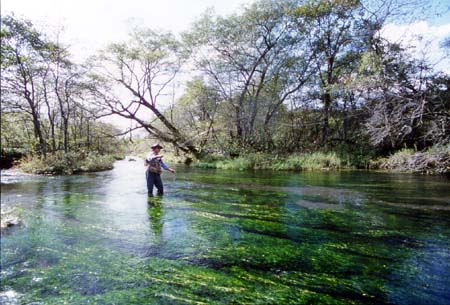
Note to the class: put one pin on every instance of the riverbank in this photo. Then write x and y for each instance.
(256, 161)
(67, 164)
(435, 160)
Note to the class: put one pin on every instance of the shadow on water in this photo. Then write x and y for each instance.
(222, 237)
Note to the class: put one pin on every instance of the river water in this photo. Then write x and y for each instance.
(226, 237)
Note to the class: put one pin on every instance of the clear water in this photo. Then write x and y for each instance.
(227, 237)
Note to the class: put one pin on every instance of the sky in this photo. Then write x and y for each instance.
(90, 25)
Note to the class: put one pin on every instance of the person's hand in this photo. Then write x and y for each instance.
(172, 170)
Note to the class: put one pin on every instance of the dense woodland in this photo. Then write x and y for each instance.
(277, 77)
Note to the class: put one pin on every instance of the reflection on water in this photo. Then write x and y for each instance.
(221, 237)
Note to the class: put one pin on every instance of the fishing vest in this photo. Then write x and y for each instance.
(154, 166)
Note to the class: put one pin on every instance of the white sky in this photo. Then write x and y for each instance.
(91, 24)
(423, 41)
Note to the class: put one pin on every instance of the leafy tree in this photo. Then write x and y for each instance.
(195, 113)
(44, 90)
(23, 52)
(254, 61)
(143, 68)
(334, 31)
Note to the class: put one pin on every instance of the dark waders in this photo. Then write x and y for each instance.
(154, 179)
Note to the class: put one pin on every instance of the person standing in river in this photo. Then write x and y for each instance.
(155, 165)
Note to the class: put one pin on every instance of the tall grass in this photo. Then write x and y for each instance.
(66, 164)
(298, 162)
(314, 161)
(435, 160)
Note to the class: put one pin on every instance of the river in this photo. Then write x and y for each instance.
(226, 237)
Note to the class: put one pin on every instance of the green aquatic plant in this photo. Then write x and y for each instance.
(227, 237)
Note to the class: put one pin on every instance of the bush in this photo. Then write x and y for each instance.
(95, 163)
(66, 164)
(9, 156)
(314, 161)
(435, 160)
(400, 159)
(118, 157)
(250, 161)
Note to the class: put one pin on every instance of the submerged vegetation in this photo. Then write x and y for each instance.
(229, 238)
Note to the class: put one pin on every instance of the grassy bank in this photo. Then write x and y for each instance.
(435, 160)
(297, 162)
(67, 164)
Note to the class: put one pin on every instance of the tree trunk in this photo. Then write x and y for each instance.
(41, 149)
(326, 113)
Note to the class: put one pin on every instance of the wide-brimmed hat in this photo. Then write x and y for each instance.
(157, 145)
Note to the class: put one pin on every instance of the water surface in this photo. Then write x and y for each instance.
(227, 237)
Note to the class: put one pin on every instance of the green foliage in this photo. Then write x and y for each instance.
(17, 132)
(305, 76)
(66, 164)
(313, 161)
(44, 100)
(350, 81)
(321, 8)
(297, 162)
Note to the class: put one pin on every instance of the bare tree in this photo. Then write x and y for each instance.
(131, 80)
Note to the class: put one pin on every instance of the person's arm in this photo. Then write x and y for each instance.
(166, 167)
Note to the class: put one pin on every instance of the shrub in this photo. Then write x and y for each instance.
(95, 163)
(9, 156)
(66, 164)
(118, 157)
(314, 161)
(435, 160)
(400, 159)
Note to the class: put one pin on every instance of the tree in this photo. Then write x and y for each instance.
(143, 68)
(333, 30)
(255, 62)
(407, 101)
(23, 51)
(195, 113)
(40, 83)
